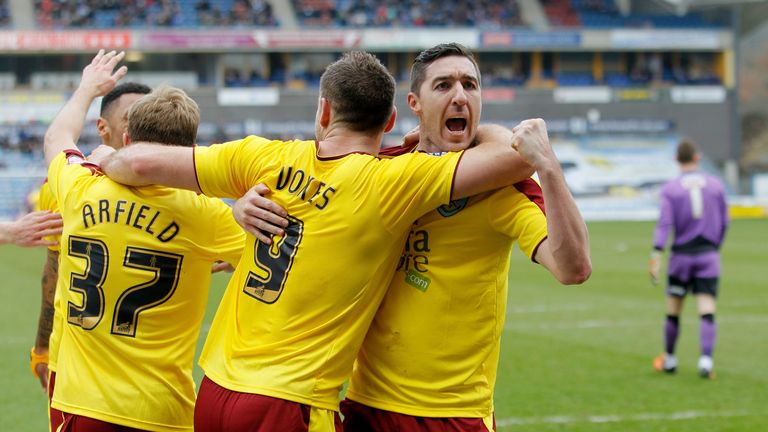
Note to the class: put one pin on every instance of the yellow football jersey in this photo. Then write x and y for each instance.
(433, 347)
(295, 313)
(136, 263)
(44, 200)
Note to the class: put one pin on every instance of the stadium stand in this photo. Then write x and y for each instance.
(408, 13)
(5, 14)
(483, 14)
(606, 14)
(560, 14)
(162, 13)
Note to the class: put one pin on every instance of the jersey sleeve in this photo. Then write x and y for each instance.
(723, 203)
(228, 170)
(518, 212)
(66, 169)
(415, 183)
(46, 201)
(664, 224)
(229, 238)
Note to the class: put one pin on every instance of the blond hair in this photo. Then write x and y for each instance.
(167, 116)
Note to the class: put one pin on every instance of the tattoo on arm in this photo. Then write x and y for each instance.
(48, 283)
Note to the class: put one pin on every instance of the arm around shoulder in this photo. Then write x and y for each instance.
(492, 164)
(144, 164)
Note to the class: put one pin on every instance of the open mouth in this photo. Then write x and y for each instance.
(456, 124)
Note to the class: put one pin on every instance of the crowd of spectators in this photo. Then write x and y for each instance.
(5, 14)
(25, 139)
(243, 13)
(485, 14)
(482, 14)
(105, 13)
(152, 13)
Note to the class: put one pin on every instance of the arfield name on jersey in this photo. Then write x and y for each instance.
(307, 188)
(135, 215)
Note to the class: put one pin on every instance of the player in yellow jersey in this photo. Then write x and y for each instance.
(43, 353)
(429, 360)
(110, 125)
(136, 267)
(295, 312)
(31, 229)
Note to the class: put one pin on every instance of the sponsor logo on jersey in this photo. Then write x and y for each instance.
(417, 280)
(455, 206)
(414, 261)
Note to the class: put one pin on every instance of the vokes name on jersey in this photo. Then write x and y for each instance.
(308, 188)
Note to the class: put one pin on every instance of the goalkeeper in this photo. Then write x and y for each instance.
(693, 207)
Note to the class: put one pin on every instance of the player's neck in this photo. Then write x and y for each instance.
(689, 167)
(427, 145)
(341, 141)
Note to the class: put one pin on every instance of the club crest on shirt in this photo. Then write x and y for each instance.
(455, 206)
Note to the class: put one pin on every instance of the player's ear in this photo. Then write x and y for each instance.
(103, 129)
(325, 112)
(126, 139)
(391, 122)
(414, 103)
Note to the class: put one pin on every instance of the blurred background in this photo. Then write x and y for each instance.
(619, 82)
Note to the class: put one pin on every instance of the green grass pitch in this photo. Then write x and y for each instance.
(574, 358)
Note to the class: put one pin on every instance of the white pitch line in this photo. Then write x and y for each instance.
(16, 340)
(565, 325)
(681, 415)
(592, 324)
(548, 308)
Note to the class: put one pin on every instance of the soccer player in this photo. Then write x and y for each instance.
(429, 360)
(135, 264)
(111, 125)
(694, 209)
(295, 312)
(31, 229)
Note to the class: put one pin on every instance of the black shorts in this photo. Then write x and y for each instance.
(678, 288)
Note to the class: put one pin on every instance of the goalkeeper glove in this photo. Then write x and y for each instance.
(654, 266)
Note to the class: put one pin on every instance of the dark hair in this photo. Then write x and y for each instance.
(167, 116)
(360, 90)
(119, 90)
(686, 151)
(426, 57)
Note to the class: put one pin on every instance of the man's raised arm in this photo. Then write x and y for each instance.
(98, 79)
(565, 252)
(495, 163)
(145, 163)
